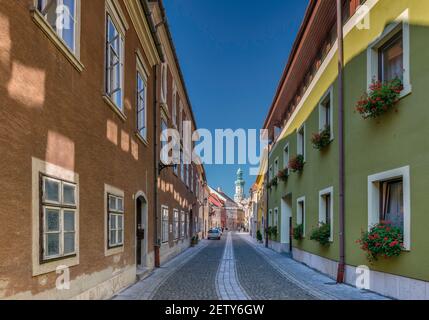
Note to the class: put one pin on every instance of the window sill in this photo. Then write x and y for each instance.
(114, 250)
(114, 108)
(142, 140)
(406, 92)
(48, 266)
(164, 108)
(40, 21)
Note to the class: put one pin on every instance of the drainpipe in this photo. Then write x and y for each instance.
(156, 166)
(341, 264)
(267, 193)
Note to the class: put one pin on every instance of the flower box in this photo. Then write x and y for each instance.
(283, 174)
(296, 164)
(382, 240)
(322, 234)
(298, 232)
(322, 139)
(382, 97)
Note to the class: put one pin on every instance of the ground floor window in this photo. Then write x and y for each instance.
(176, 224)
(182, 224)
(115, 221)
(326, 213)
(276, 217)
(300, 214)
(389, 200)
(392, 202)
(164, 225)
(59, 207)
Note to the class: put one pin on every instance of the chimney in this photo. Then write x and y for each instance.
(219, 189)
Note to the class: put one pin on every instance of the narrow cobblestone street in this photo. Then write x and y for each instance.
(237, 268)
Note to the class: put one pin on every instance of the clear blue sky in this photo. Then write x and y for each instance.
(232, 54)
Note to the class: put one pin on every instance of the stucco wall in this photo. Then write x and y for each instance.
(52, 112)
(395, 140)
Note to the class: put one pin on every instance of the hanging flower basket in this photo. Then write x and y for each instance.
(382, 240)
(382, 97)
(298, 232)
(296, 164)
(283, 175)
(322, 139)
(322, 234)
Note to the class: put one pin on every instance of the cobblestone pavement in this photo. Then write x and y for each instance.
(227, 284)
(196, 279)
(238, 268)
(260, 280)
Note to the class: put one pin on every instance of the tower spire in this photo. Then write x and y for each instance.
(239, 186)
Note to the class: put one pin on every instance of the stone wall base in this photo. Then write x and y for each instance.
(389, 285)
(167, 253)
(278, 247)
(99, 285)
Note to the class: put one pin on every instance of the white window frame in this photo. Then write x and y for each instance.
(191, 178)
(164, 83)
(322, 111)
(116, 213)
(60, 206)
(176, 224)
(164, 157)
(165, 232)
(181, 119)
(301, 141)
(322, 209)
(182, 224)
(400, 23)
(276, 218)
(174, 106)
(76, 25)
(276, 167)
(113, 16)
(374, 199)
(286, 157)
(40, 167)
(141, 72)
(300, 218)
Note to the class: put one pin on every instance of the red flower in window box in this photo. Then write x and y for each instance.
(382, 240)
(322, 139)
(283, 175)
(382, 96)
(296, 164)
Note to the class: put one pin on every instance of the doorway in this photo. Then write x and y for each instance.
(141, 232)
(286, 223)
